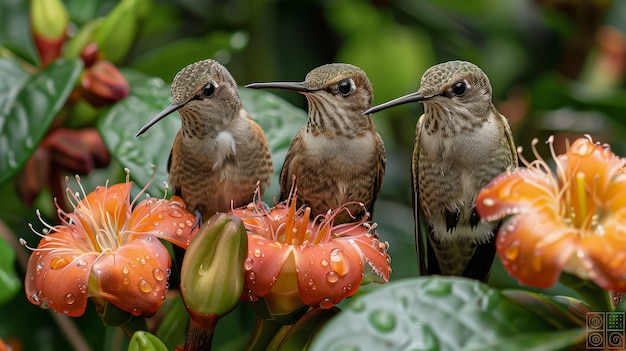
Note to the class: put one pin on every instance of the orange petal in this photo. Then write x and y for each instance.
(165, 219)
(134, 276)
(377, 263)
(328, 272)
(534, 247)
(598, 163)
(604, 256)
(266, 261)
(614, 198)
(519, 191)
(57, 275)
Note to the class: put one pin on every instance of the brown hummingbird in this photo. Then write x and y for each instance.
(461, 143)
(337, 157)
(220, 153)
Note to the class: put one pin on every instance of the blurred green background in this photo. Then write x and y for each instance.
(556, 67)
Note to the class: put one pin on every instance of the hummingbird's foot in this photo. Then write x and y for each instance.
(452, 219)
(198, 222)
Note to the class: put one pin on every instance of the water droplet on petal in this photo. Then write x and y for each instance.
(382, 320)
(126, 280)
(158, 274)
(58, 262)
(339, 262)
(39, 266)
(512, 251)
(332, 276)
(69, 298)
(324, 262)
(257, 253)
(176, 214)
(326, 303)
(145, 286)
(168, 272)
(252, 276)
(248, 263)
(179, 232)
(44, 304)
(160, 217)
(125, 270)
(189, 223)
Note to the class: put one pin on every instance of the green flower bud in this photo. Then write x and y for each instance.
(144, 341)
(116, 32)
(49, 20)
(81, 39)
(212, 274)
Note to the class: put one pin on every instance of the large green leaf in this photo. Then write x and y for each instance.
(12, 76)
(148, 96)
(440, 313)
(25, 120)
(9, 282)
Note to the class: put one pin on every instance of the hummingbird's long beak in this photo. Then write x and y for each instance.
(413, 97)
(166, 111)
(294, 86)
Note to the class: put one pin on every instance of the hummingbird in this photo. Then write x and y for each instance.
(219, 154)
(337, 158)
(461, 143)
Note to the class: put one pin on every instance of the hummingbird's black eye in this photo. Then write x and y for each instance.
(344, 87)
(209, 89)
(459, 89)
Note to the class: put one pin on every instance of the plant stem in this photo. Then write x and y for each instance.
(200, 332)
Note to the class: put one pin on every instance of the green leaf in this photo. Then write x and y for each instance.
(182, 52)
(25, 121)
(15, 32)
(12, 76)
(148, 96)
(144, 341)
(560, 312)
(440, 313)
(173, 328)
(10, 283)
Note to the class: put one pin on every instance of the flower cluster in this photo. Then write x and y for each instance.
(108, 250)
(293, 260)
(573, 219)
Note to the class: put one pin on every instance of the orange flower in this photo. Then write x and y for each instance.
(107, 250)
(574, 220)
(294, 261)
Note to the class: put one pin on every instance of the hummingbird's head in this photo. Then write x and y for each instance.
(206, 96)
(336, 91)
(455, 86)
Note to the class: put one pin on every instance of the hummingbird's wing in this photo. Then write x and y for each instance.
(509, 135)
(421, 230)
(286, 180)
(176, 190)
(380, 173)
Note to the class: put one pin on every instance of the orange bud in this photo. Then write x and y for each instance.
(103, 84)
